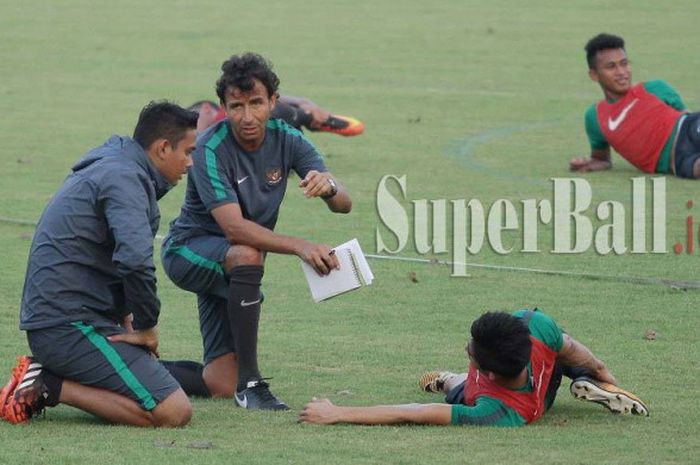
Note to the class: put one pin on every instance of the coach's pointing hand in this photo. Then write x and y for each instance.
(316, 184)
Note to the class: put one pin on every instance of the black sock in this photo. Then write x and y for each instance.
(54, 385)
(244, 315)
(189, 375)
(292, 115)
(573, 372)
(303, 118)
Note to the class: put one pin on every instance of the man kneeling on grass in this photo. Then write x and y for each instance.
(515, 367)
(89, 305)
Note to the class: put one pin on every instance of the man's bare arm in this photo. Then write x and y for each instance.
(575, 354)
(598, 161)
(324, 412)
(241, 231)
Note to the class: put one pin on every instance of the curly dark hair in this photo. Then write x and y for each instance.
(599, 43)
(501, 343)
(163, 120)
(240, 70)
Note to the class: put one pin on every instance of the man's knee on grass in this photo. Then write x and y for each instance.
(221, 376)
(173, 412)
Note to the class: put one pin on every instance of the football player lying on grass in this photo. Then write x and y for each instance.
(298, 112)
(646, 123)
(516, 363)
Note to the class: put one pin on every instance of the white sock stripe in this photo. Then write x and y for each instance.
(34, 366)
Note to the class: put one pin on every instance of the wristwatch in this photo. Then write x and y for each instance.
(334, 189)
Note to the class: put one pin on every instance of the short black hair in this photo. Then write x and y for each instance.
(501, 343)
(163, 120)
(239, 72)
(599, 43)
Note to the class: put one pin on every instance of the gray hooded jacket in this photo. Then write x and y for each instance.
(92, 252)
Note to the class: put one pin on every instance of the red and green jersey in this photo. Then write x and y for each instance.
(640, 126)
(490, 405)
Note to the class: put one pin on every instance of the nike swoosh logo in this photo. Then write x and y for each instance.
(242, 402)
(614, 123)
(238, 181)
(248, 304)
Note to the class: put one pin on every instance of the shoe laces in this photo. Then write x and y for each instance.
(262, 388)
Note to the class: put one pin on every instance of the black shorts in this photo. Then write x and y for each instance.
(79, 351)
(687, 151)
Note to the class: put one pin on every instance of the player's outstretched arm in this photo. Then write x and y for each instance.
(573, 353)
(598, 161)
(320, 184)
(324, 412)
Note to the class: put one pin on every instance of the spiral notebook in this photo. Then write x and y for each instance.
(354, 273)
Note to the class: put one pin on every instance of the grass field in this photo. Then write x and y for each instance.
(468, 99)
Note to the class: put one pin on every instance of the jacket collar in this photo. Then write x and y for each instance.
(135, 152)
